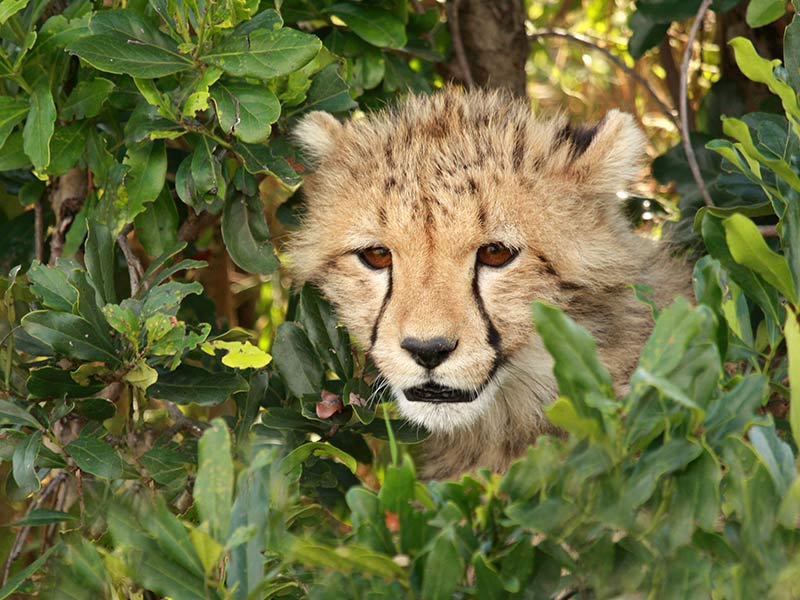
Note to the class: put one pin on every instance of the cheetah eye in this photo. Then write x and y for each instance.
(496, 254)
(376, 258)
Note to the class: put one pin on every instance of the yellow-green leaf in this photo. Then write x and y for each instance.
(239, 355)
(792, 333)
(207, 548)
(141, 375)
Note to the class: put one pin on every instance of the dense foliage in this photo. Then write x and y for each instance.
(149, 443)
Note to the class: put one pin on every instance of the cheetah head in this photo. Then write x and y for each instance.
(433, 227)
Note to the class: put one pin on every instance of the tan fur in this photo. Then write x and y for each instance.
(433, 181)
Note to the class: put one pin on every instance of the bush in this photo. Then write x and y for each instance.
(159, 447)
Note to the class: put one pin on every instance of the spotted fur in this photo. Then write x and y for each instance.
(434, 180)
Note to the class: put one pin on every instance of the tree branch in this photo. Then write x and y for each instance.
(38, 220)
(135, 270)
(684, 93)
(590, 43)
(452, 8)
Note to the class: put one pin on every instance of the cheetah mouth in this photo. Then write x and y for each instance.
(433, 392)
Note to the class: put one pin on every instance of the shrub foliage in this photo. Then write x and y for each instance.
(156, 447)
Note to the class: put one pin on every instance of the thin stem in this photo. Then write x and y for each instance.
(590, 43)
(38, 210)
(684, 108)
(135, 270)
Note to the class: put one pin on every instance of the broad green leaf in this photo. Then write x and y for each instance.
(14, 414)
(24, 460)
(488, 583)
(359, 396)
(297, 361)
(125, 43)
(206, 171)
(87, 99)
(329, 92)
(124, 320)
(264, 159)
(764, 12)
(246, 111)
(141, 376)
(791, 52)
(213, 488)
(39, 126)
(761, 70)
(369, 526)
(8, 8)
(443, 569)
(748, 248)
(377, 26)
(96, 457)
(12, 111)
(167, 297)
(164, 465)
(300, 454)
(330, 340)
(576, 367)
(246, 235)
(145, 180)
(240, 355)
(67, 147)
(12, 155)
(207, 548)
(69, 335)
(96, 409)
(99, 258)
(42, 516)
(187, 385)
(653, 465)
(264, 53)
(792, 333)
(52, 382)
(562, 414)
(51, 285)
(775, 454)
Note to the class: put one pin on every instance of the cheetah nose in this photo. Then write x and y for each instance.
(429, 353)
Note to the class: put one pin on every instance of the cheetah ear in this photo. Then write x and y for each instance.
(317, 133)
(614, 156)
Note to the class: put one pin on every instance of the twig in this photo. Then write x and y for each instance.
(452, 8)
(22, 534)
(182, 421)
(684, 93)
(768, 230)
(417, 7)
(38, 220)
(590, 43)
(135, 270)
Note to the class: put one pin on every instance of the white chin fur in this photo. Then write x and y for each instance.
(446, 417)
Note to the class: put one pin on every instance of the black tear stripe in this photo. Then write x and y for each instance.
(492, 335)
(374, 335)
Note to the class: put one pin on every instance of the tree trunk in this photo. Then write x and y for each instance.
(489, 43)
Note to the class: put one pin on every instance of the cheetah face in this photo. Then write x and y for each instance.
(433, 229)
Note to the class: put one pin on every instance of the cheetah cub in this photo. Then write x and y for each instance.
(432, 228)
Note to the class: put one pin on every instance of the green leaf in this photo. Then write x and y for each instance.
(42, 516)
(264, 159)
(19, 578)
(164, 465)
(13, 414)
(125, 43)
(748, 248)
(52, 382)
(24, 460)
(330, 340)
(246, 111)
(443, 569)
(374, 25)
(647, 34)
(246, 235)
(488, 583)
(264, 53)
(8, 8)
(167, 297)
(99, 258)
(775, 454)
(12, 155)
(213, 489)
(12, 111)
(67, 147)
(141, 376)
(96, 409)
(39, 126)
(792, 333)
(187, 385)
(302, 453)
(764, 12)
(96, 457)
(87, 99)
(50, 284)
(296, 361)
(240, 355)
(145, 180)
(329, 92)
(69, 335)
(369, 525)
